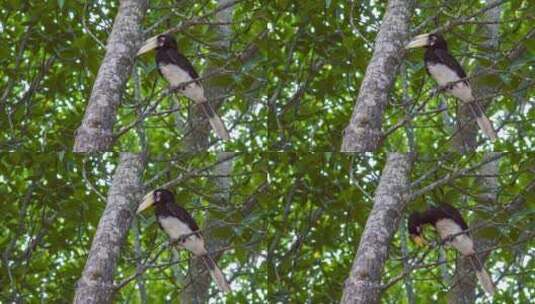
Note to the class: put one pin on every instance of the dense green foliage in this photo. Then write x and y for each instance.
(42, 105)
(46, 234)
(295, 218)
(323, 48)
(306, 71)
(323, 203)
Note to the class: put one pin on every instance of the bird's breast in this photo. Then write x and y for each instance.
(461, 242)
(441, 73)
(177, 77)
(444, 76)
(174, 74)
(174, 227)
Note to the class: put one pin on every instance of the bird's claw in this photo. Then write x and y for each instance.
(447, 241)
(177, 242)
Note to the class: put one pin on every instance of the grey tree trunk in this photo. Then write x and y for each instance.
(464, 280)
(95, 131)
(198, 279)
(465, 139)
(364, 282)
(96, 283)
(364, 131)
(198, 138)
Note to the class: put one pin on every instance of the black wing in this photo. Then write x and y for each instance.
(173, 56)
(454, 214)
(183, 216)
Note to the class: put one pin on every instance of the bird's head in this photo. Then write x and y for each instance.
(166, 41)
(415, 225)
(429, 40)
(156, 42)
(158, 196)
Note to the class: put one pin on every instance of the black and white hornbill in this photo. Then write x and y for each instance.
(447, 72)
(182, 229)
(180, 74)
(452, 228)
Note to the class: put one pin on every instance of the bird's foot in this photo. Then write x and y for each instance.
(450, 86)
(177, 242)
(175, 89)
(436, 90)
(182, 239)
(446, 241)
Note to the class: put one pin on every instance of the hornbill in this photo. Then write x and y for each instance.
(450, 76)
(452, 228)
(182, 229)
(181, 75)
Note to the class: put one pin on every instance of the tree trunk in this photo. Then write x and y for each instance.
(96, 283)
(363, 133)
(364, 282)
(464, 280)
(465, 139)
(95, 132)
(198, 279)
(198, 137)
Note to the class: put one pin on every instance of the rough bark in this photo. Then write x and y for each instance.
(465, 139)
(198, 137)
(198, 280)
(364, 131)
(464, 280)
(364, 282)
(96, 282)
(95, 131)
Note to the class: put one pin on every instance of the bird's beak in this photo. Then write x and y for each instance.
(148, 201)
(149, 45)
(418, 41)
(418, 240)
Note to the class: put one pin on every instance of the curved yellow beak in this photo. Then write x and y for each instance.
(148, 201)
(418, 41)
(149, 45)
(419, 240)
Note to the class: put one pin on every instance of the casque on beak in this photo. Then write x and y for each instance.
(418, 41)
(149, 45)
(148, 201)
(418, 240)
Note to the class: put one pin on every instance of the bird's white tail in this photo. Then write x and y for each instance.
(486, 126)
(215, 121)
(485, 281)
(483, 121)
(216, 273)
(483, 276)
